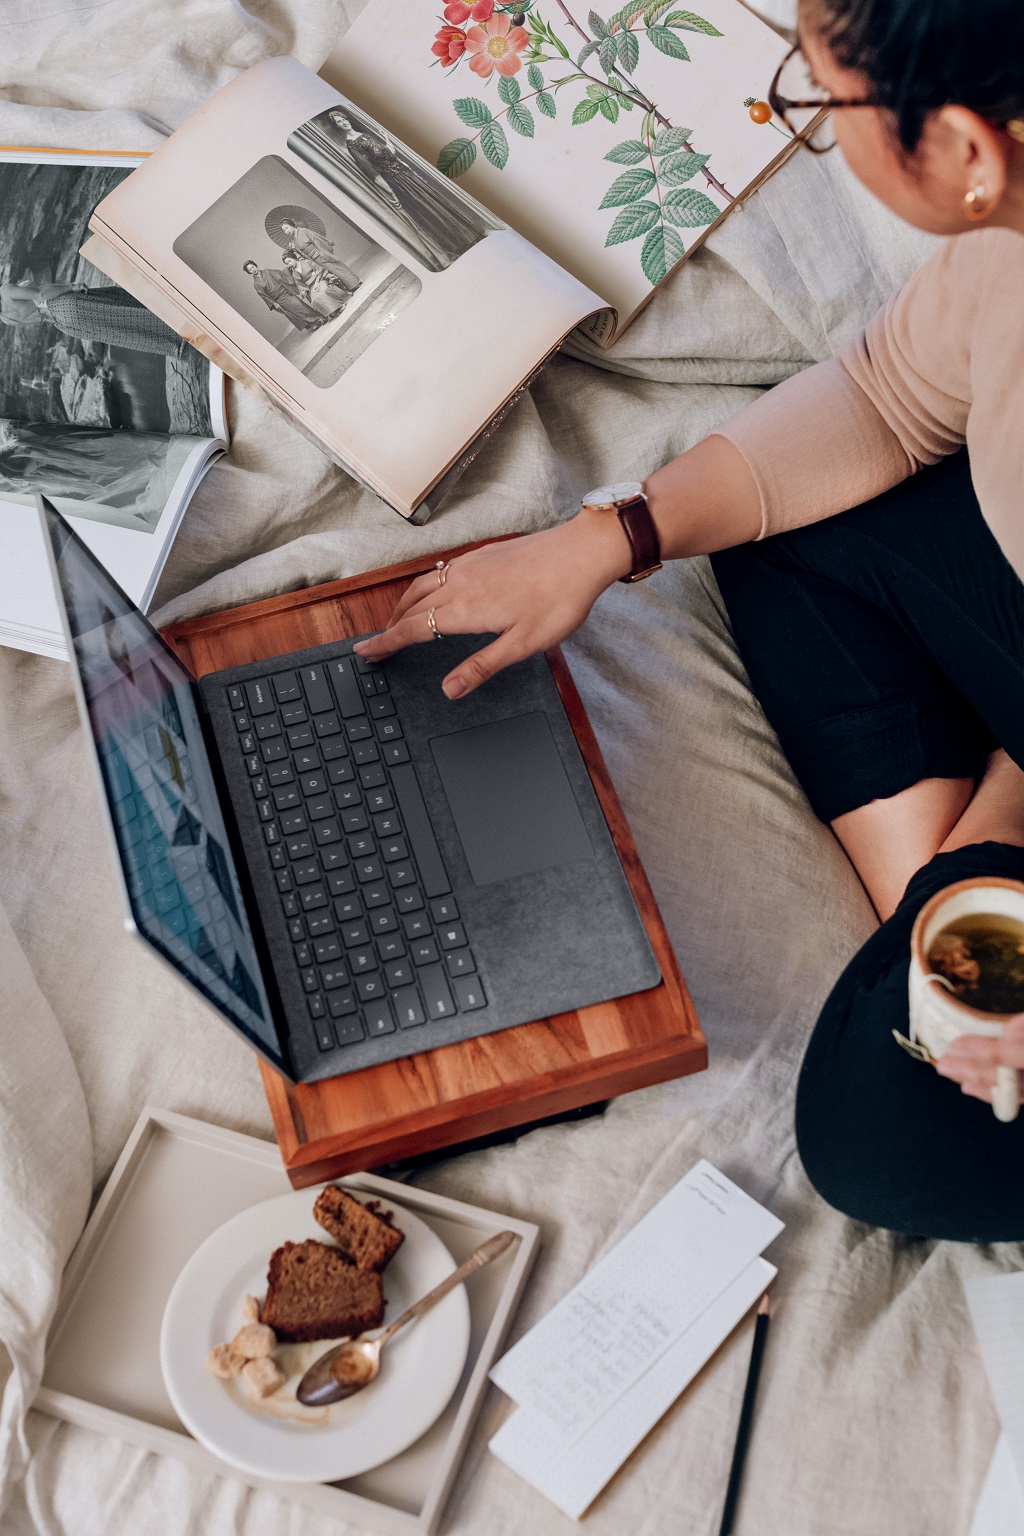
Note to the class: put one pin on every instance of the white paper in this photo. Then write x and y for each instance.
(1000, 1510)
(611, 1328)
(572, 1477)
(996, 1305)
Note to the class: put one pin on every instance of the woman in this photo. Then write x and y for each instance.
(279, 292)
(886, 643)
(315, 286)
(107, 315)
(316, 248)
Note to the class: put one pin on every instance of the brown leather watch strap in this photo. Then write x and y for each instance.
(638, 525)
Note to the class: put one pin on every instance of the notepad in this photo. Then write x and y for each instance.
(594, 1376)
(996, 1304)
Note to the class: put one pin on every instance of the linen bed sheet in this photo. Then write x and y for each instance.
(873, 1414)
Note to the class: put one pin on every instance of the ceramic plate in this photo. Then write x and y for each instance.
(278, 1438)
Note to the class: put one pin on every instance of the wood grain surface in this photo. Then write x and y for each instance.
(441, 1097)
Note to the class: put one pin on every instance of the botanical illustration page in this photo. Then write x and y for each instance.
(611, 141)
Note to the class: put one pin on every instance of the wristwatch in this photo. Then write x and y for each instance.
(630, 504)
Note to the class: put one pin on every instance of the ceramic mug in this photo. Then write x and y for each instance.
(937, 1017)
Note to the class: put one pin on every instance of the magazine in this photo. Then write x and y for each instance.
(390, 250)
(103, 407)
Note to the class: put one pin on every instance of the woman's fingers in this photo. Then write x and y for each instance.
(483, 664)
(411, 630)
(414, 592)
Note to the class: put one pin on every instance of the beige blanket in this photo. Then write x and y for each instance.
(874, 1417)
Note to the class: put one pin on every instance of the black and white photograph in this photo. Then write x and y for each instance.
(77, 350)
(429, 217)
(310, 281)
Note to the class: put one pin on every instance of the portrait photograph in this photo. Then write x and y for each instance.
(307, 279)
(429, 217)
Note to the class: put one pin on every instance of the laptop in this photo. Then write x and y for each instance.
(347, 866)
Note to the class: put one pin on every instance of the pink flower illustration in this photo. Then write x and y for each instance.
(449, 44)
(496, 45)
(459, 11)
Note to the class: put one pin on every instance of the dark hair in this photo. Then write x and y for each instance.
(250, 263)
(920, 55)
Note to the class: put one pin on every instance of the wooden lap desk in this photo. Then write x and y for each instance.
(456, 1092)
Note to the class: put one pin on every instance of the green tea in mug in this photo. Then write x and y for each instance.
(981, 958)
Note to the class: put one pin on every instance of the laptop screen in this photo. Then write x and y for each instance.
(178, 869)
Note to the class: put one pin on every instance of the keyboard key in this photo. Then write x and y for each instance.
(408, 1007)
(348, 908)
(332, 747)
(387, 824)
(334, 857)
(320, 807)
(394, 848)
(327, 725)
(416, 925)
(326, 832)
(300, 736)
(368, 869)
(380, 800)
(361, 961)
(443, 909)
(367, 687)
(391, 946)
(317, 689)
(293, 714)
(280, 773)
(362, 665)
(408, 899)
(286, 797)
(293, 821)
(259, 698)
(322, 922)
(253, 763)
(361, 845)
(286, 687)
(310, 980)
(341, 773)
(308, 758)
(242, 721)
(346, 795)
(313, 783)
(313, 897)
(398, 973)
(341, 882)
(259, 787)
(418, 828)
(369, 987)
(377, 1018)
(327, 949)
(248, 742)
(342, 1003)
(358, 730)
(271, 726)
(460, 962)
(453, 936)
(372, 776)
(273, 751)
(355, 820)
(381, 709)
(355, 934)
(389, 730)
(436, 996)
(349, 1031)
(401, 874)
(236, 698)
(296, 930)
(278, 857)
(343, 676)
(423, 951)
(306, 872)
(284, 879)
(395, 752)
(333, 976)
(469, 993)
(272, 833)
(266, 810)
(299, 847)
(303, 955)
(364, 752)
(376, 896)
(384, 921)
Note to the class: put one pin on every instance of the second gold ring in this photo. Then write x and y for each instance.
(433, 627)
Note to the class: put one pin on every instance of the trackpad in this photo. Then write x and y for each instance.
(512, 803)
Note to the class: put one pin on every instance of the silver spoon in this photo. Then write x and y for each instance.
(352, 1365)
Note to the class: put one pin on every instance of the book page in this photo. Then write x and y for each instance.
(375, 302)
(611, 141)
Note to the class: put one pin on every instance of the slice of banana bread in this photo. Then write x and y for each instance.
(313, 1292)
(365, 1238)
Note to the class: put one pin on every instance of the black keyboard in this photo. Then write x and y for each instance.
(364, 897)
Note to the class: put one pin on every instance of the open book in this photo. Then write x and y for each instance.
(102, 406)
(389, 261)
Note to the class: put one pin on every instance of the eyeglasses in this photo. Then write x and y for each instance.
(794, 89)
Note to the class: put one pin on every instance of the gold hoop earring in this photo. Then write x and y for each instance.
(977, 205)
(1015, 128)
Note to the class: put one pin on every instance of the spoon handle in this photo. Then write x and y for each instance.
(487, 1252)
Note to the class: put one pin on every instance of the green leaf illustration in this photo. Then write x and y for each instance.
(597, 92)
(521, 119)
(629, 51)
(691, 23)
(628, 187)
(584, 111)
(535, 78)
(633, 221)
(608, 52)
(669, 139)
(585, 52)
(472, 112)
(689, 209)
(629, 152)
(509, 89)
(546, 103)
(678, 169)
(662, 249)
(597, 26)
(666, 42)
(457, 157)
(609, 107)
(494, 145)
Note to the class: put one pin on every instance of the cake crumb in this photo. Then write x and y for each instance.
(263, 1375)
(250, 1309)
(224, 1360)
(255, 1341)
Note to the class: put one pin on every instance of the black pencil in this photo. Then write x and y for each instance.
(739, 1455)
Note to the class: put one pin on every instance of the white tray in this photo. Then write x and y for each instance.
(177, 1181)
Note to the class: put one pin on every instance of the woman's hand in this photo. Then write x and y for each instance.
(532, 592)
(972, 1060)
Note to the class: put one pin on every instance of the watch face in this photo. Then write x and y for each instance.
(610, 495)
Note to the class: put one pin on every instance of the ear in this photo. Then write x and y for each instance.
(977, 154)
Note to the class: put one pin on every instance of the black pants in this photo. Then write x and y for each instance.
(886, 645)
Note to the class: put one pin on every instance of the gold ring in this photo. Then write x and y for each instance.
(442, 571)
(434, 629)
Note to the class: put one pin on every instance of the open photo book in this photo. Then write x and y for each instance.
(103, 407)
(389, 251)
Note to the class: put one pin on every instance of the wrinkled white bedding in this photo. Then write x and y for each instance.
(873, 1416)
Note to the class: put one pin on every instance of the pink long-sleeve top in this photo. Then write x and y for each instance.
(942, 364)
